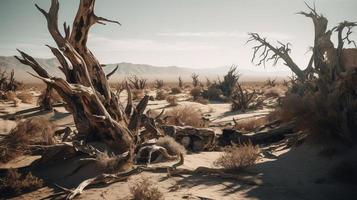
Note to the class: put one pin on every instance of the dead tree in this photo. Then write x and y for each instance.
(243, 99)
(158, 84)
(180, 82)
(195, 81)
(85, 89)
(137, 83)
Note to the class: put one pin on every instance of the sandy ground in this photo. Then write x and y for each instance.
(298, 173)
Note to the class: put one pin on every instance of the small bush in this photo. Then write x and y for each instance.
(238, 157)
(212, 93)
(196, 92)
(176, 90)
(187, 115)
(249, 125)
(10, 96)
(161, 95)
(172, 100)
(145, 189)
(14, 184)
(31, 131)
(25, 97)
(171, 145)
(272, 92)
(159, 84)
(54, 97)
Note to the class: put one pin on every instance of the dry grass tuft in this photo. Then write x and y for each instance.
(10, 96)
(238, 157)
(176, 90)
(25, 97)
(172, 100)
(145, 189)
(31, 131)
(161, 95)
(248, 125)
(185, 115)
(170, 144)
(14, 184)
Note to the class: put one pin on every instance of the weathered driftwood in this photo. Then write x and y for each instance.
(196, 139)
(266, 134)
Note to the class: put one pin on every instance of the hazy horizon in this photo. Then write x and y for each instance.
(192, 33)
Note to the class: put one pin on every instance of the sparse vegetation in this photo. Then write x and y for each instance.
(145, 189)
(31, 131)
(25, 97)
(229, 81)
(137, 83)
(236, 158)
(248, 125)
(161, 95)
(171, 145)
(14, 184)
(180, 82)
(196, 92)
(242, 99)
(137, 94)
(270, 82)
(185, 115)
(195, 81)
(212, 93)
(176, 90)
(48, 97)
(158, 84)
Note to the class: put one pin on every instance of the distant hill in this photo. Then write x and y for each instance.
(127, 69)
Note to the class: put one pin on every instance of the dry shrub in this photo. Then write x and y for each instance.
(172, 100)
(31, 131)
(145, 189)
(176, 90)
(186, 115)
(161, 95)
(238, 157)
(248, 125)
(25, 97)
(212, 93)
(10, 96)
(54, 97)
(14, 184)
(196, 92)
(137, 94)
(171, 145)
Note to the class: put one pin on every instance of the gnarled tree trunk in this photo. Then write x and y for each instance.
(86, 91)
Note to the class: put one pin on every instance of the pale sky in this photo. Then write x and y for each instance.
(186, 33)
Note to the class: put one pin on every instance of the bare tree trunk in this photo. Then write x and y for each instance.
(86, 91)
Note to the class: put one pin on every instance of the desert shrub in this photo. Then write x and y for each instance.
(25, 97)
(195, 81)
(161, 95)
(229, 81)
(54, 97)
(158, 84)
(173, 147)
(176, 90)
(137, 83)
(31, 131)
(243, 99)
(14, 184)
(180, 82)
(10, 96)
(172, 100)
(196, 92)
(137, 94)
(145, 189)
(186, 115)
(270, 82)
(212, 93)
(248, 125)
(238, 157)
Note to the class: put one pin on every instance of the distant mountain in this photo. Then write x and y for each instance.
(127, 69)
